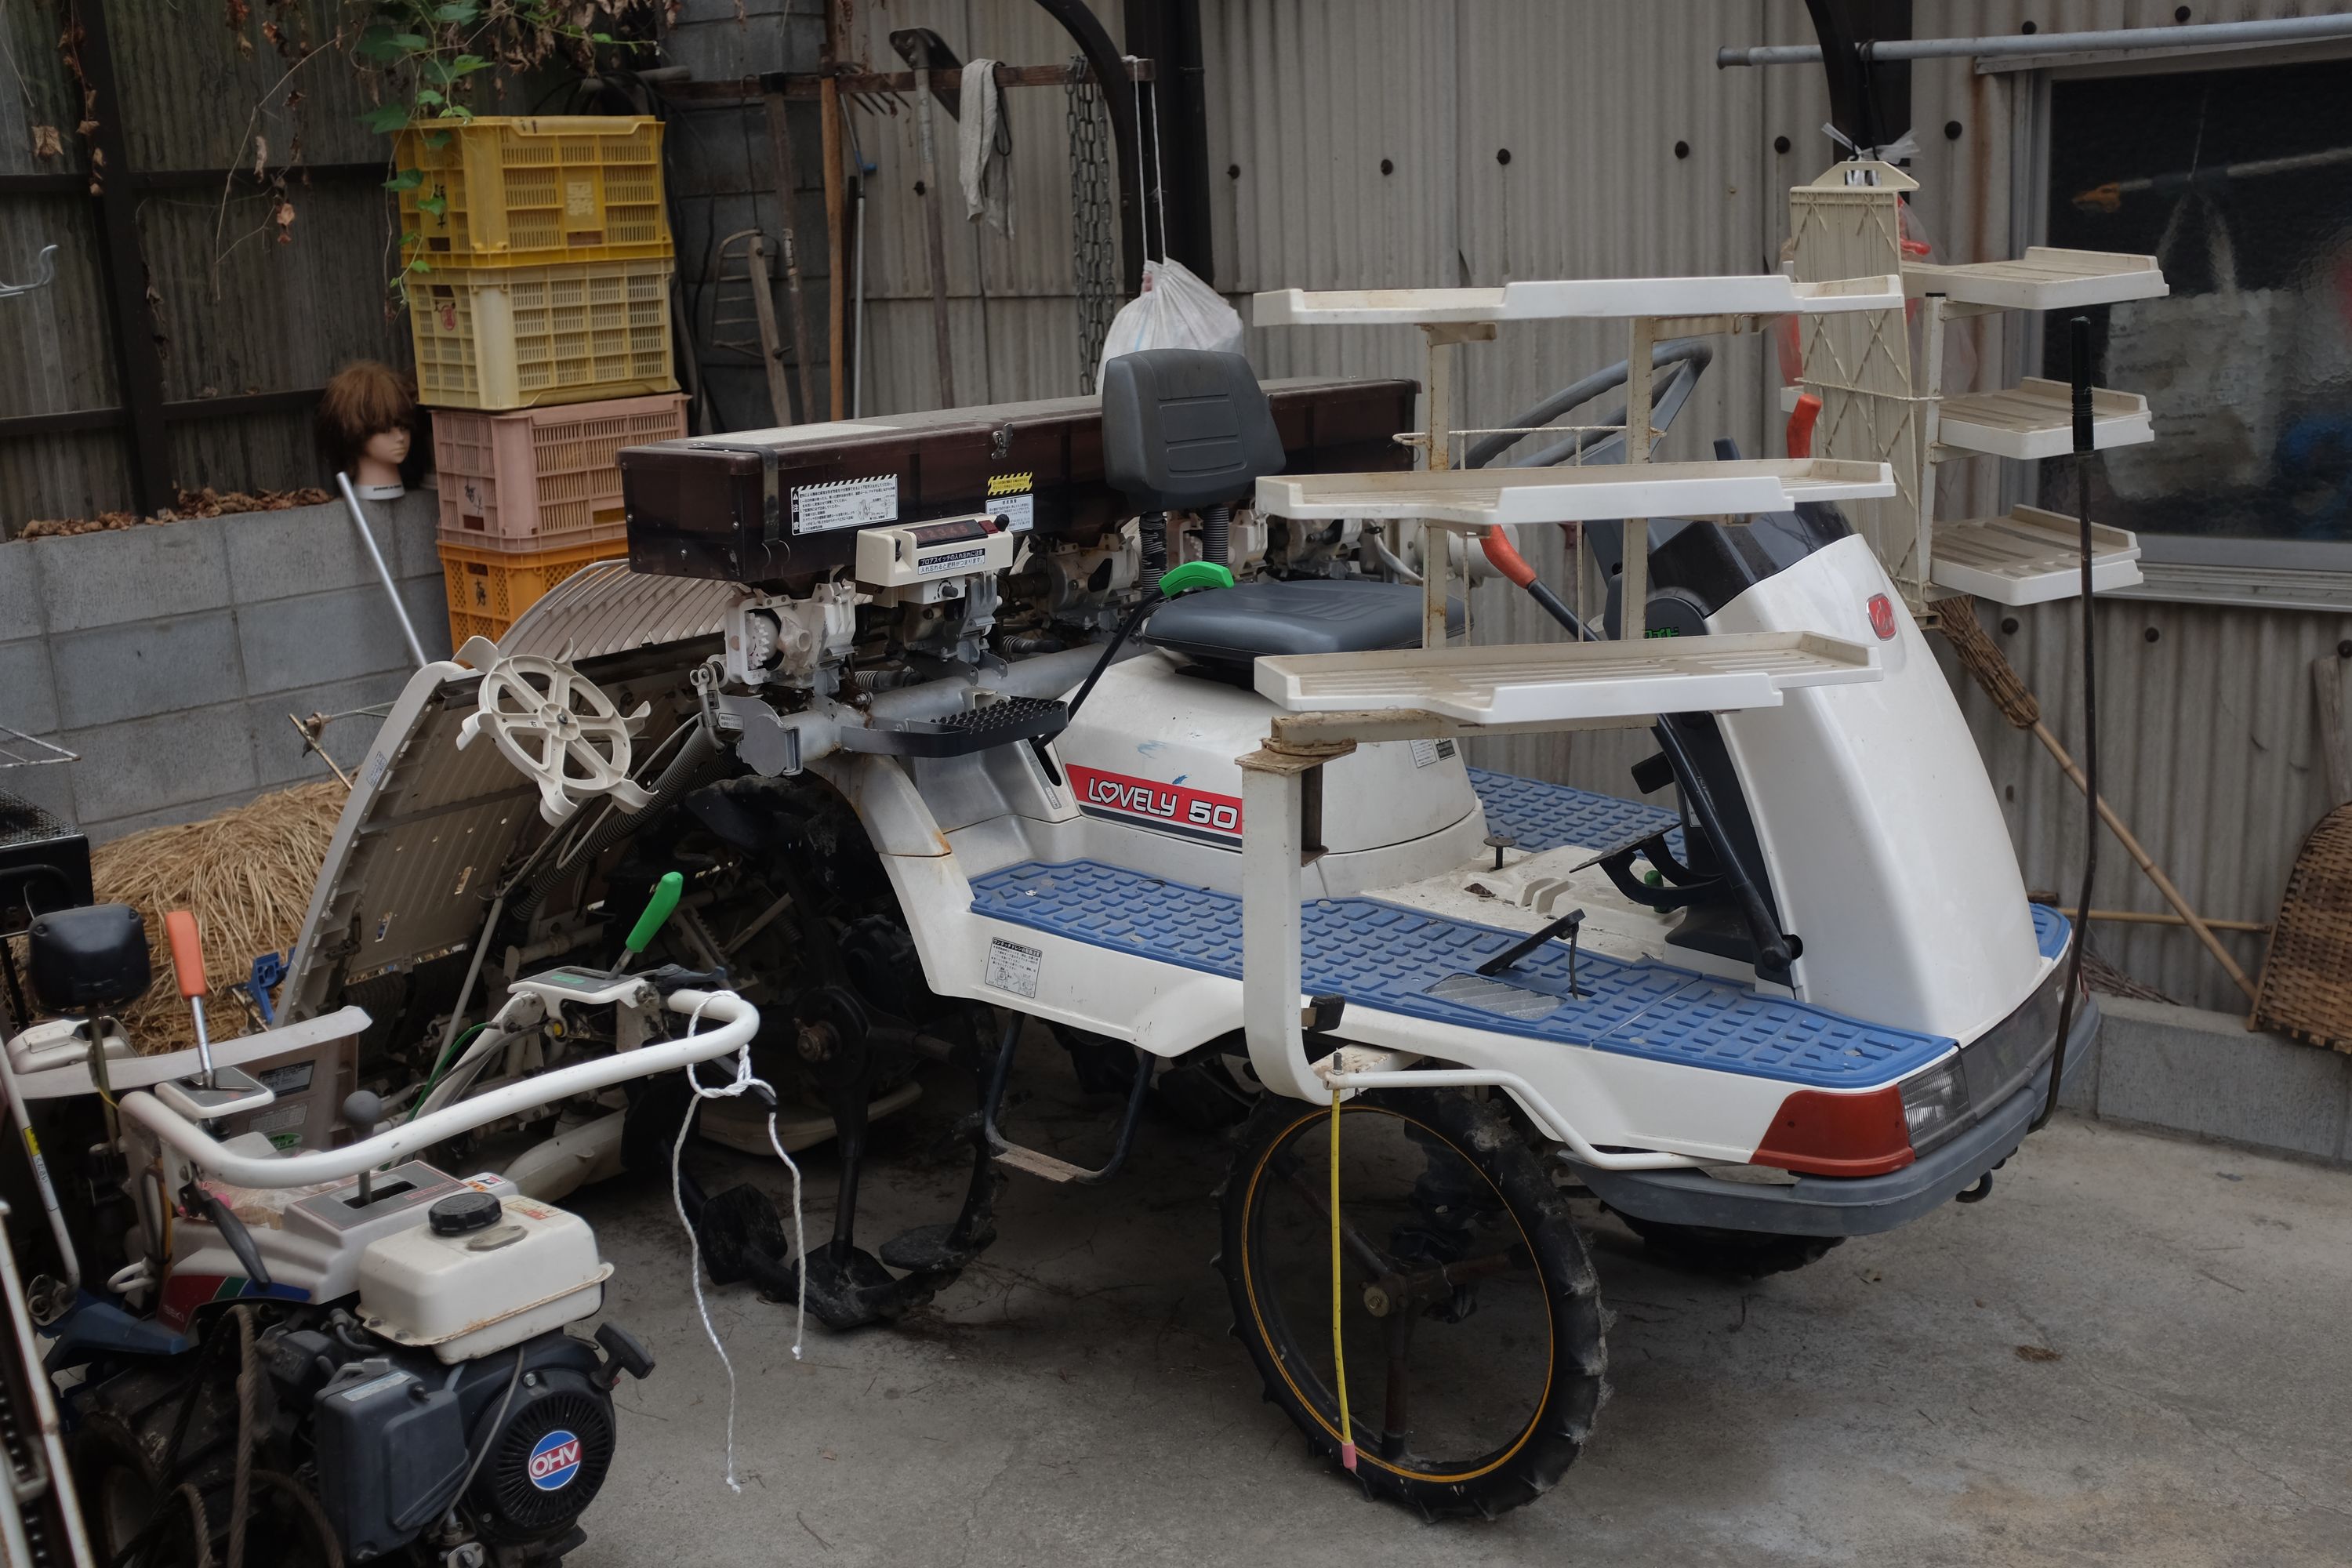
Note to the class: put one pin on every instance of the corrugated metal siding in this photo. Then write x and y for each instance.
(1012, 316)
(237, 312)
(2207, 734)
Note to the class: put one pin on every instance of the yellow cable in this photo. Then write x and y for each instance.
(1338, 1351)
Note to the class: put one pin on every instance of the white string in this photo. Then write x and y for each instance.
(1141, 188)
(1158, 183)
(744, 1082)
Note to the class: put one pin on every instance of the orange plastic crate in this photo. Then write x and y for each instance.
(525, 191)
(543, 476)
(518, 337)
(488, 590)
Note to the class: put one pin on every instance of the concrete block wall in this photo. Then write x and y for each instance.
(168, 656)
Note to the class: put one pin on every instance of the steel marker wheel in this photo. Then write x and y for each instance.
(1470, 1311)
(559, 730)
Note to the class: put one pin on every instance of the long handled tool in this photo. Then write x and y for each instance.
(1983, 659)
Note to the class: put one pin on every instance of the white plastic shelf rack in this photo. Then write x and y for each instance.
(2031, 557)
(2044, 279)
(1585, 299)
(1481, 497)
(2035, 418)
(1566, 683)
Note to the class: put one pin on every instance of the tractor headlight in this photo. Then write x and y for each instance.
(1935, 1103)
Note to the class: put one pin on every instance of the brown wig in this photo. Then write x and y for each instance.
(363, 400)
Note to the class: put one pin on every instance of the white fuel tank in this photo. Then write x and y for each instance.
(521, 1269)
(1151, 761)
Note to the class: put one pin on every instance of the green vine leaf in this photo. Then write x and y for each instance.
(386, 118)
(407, 180)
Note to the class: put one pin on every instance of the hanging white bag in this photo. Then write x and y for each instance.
(2211, 366)
(1175, 310)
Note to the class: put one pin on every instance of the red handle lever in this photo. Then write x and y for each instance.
(187, 952)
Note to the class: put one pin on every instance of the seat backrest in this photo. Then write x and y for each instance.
(1185, 429)
(94, 956)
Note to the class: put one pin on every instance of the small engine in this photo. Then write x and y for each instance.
(432, 1410)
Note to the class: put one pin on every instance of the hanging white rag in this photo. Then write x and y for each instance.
(984, 148)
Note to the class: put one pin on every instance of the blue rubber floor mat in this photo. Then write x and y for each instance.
(1383, 955)
(2051, 930)
(1546, 815)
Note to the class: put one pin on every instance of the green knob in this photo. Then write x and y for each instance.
(1194, 574)
(657, 908)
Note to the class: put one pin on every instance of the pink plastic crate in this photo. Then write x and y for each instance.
(540, 478)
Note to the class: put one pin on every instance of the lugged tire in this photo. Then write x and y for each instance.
(1517, 1472)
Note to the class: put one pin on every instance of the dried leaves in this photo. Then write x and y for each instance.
(206, 502)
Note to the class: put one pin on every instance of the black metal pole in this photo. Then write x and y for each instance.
(137, 364)
(1169, 32)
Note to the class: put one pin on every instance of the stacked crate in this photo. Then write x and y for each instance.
(541, 325)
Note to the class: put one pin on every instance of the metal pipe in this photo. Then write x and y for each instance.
(383, 572)
(2276, 30)
(737, 1018)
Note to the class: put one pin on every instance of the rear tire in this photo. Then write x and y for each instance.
(1508, 1350)
(1729, 1254)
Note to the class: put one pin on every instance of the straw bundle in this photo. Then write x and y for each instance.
(244, 873)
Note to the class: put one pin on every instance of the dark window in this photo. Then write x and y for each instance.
(2240, 183)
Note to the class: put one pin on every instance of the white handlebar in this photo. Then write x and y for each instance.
(737, 1018)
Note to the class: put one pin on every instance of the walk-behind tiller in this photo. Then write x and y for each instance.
(330, 1355)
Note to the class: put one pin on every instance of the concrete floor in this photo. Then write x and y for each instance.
(2135, 1354)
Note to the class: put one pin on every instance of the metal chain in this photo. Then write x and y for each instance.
(1093, 260)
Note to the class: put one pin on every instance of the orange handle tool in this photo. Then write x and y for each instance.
(1800, 424)
(187, 952)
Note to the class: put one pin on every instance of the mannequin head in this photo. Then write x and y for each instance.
(365, 422)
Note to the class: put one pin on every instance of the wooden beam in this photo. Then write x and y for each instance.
(856, 83)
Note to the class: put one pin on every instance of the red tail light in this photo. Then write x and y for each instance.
(1882, 616)
(1825, 1134)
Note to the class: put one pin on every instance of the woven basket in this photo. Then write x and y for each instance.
(2306, 990)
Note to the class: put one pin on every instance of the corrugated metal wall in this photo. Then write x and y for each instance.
(2208, 735)
(1011, 315)
(237, 312)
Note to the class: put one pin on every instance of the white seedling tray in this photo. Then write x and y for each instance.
(2035, 418)
(1539, 683)
(2031, 557)
(2044, 279)
(1481, 497)
(1589, 299)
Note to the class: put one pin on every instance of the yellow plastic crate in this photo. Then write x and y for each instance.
(488, 590)
(520, 336)
(519, 192)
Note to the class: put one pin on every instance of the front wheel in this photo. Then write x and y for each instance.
(1468, 1309)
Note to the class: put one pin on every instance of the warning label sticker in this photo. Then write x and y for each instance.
(1427, 753)
(845, 503)
(1013, 497)
(1012, 967)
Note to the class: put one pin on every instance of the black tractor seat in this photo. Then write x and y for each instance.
(1267, 619)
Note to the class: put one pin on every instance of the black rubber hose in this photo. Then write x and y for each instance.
(685, 771)
(2080, 334)
(1216, 534)
(1676, 351)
